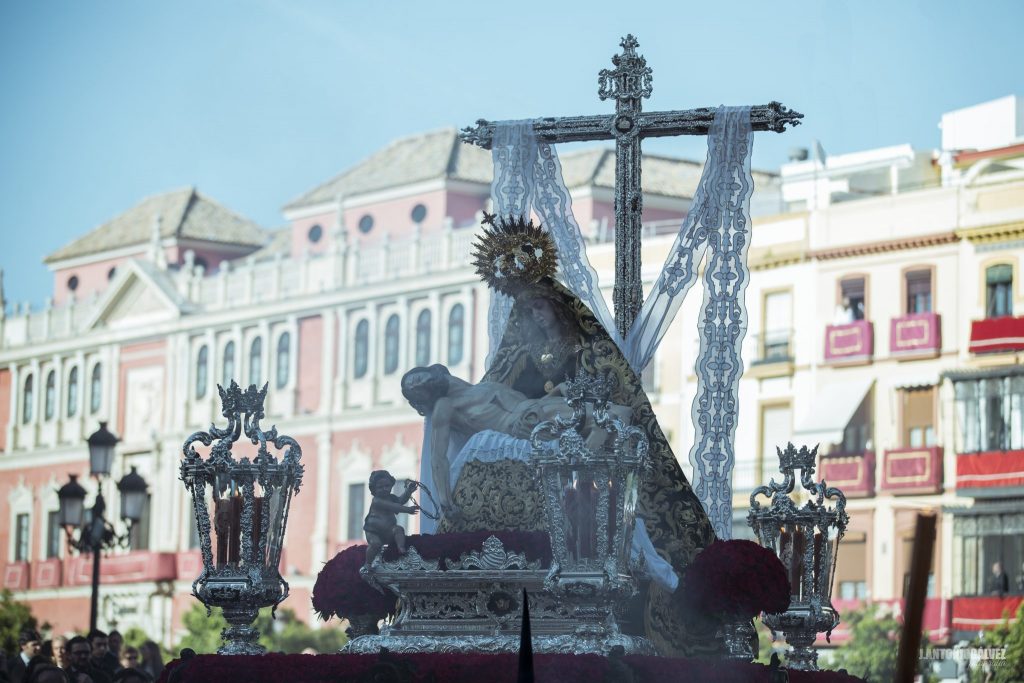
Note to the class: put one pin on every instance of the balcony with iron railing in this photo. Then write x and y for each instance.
(772, 354)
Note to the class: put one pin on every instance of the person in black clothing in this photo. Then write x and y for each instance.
(100, 651)
(1020, 579)
(112, 660)
(999, 582)
(80, 650)
(29, 644)
(35, 665)
(131, 676)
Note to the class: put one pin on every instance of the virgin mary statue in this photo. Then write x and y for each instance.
(550, 337)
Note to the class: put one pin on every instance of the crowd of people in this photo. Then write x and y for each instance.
(96, 658)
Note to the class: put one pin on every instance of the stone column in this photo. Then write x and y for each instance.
(37, 392)
(341, 375)
(293, 365)
(12, 422)
(372, 366)
(323, 502)
(405, 339)
(436, 322)
(59, 399)
(327, 361)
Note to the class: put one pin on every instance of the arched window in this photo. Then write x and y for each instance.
(27, 400)
(96, 389)
(362, 348)
(228, 368)
(72, 408)
(284, 356)
(455, 334)
(423, 338)
(202, 361)
(391, 345)
(256, 361)
(999, 291)
(50, 397)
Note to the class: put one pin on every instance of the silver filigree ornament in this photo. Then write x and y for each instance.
(806, 540)
(245, 503)
(589, 489)
(475, 606)
(493, 556)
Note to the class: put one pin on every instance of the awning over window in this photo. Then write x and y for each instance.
(918, 381)
(964, 374)
(834, 405)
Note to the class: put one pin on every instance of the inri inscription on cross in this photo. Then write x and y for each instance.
(628, 84)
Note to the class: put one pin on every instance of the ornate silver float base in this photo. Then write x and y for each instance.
(475, 605)
(739, 639)
(555, 644)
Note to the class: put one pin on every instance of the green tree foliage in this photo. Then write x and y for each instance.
(874, 642)
(285, 634)
(1008, 635)
(14, 616)
(766, 646)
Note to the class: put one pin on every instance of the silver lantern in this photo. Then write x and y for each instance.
(590, 497)
(243, 504)
(806, 540)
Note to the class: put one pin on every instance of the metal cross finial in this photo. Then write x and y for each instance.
(631, 77)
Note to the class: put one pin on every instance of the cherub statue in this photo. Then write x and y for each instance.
(381, 524)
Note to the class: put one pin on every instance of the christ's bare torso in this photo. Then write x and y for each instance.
(492, 405)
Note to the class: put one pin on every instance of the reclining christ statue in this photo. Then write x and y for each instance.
(453, 403)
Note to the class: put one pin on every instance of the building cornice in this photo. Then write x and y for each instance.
(992, 233)
(879, 247)
(318, 209)
(776, 258)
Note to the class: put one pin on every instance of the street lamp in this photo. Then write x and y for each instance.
(97, 534)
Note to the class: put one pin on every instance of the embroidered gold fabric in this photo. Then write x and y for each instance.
(496, 495)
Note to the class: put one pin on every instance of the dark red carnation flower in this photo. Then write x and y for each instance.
(340, 590)
(736, 580)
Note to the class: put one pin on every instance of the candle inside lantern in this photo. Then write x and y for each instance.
(234, 539)
(796, 564)
(819, 552)
(257, 517)
(222, 528)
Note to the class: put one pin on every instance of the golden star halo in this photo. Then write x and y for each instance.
(512, 254)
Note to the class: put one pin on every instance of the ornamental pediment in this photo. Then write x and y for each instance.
(140, 295)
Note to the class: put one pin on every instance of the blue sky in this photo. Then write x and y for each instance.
(255, 102)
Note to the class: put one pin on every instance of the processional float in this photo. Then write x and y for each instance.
(473, 603)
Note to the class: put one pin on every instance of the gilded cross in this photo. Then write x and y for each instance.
(628, 84)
